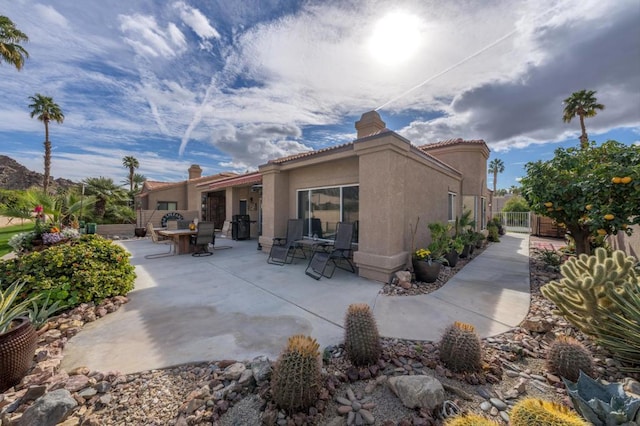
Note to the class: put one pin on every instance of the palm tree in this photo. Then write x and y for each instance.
(10, 51)
(132, 164)
(496, 166)
(105, 191)
(583, 104)
(138, 180)
(46, 110)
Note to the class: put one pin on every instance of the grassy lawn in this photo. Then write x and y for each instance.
(9, 231)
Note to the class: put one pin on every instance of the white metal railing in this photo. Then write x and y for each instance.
(515, 221)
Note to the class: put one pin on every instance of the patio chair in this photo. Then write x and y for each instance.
(158, 240)
(336, 254)
(284, 250)
(203, 238)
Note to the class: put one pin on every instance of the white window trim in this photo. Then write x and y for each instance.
(451, 195)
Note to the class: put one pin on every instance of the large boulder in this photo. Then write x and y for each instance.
(49, 410)
(418, 391)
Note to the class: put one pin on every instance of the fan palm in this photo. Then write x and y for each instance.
(10, 51)
(105, 191)
(138, 180)
(132, 164)
(583, 104)
(496, 166)
(46, 110)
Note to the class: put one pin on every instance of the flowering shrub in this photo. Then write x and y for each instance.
(52, 237)
(70, 233)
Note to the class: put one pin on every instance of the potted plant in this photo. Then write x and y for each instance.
(479, 239)
(425, 267)
(456, 246)
(139, 231)
(17, 336)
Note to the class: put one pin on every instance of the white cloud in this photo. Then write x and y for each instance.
(147, 38)
(51, 15)
(197, 21)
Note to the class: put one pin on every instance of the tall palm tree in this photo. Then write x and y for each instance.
(132, 164)
(138, 180)
(10, 51)
(496, 166)
(583, 104)
(46, 110)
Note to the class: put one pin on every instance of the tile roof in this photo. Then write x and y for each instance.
(309, 153)
(253, 177)
(152, 185)
(450, 142)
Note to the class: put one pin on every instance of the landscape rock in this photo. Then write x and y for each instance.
(49, 410)
(418, 391)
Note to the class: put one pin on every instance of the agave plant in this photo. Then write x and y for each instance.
(603, 405)
(10, 307)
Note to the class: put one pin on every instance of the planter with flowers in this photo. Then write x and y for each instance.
(425, 267)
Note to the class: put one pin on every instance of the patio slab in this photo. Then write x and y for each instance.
(233, 305)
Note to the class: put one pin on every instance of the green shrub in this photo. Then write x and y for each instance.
(494, 234)
(89, 269)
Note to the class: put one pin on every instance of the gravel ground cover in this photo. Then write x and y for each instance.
(236, 393)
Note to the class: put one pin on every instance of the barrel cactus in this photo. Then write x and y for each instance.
(535, 412)
(567, 357)
(362, 340)
(296, 377)
(581, 295)
(469, 420)
(460, 348)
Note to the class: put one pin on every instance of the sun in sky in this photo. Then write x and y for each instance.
(396, 37)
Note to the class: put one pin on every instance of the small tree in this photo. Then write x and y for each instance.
(592, 191)
(516, 204)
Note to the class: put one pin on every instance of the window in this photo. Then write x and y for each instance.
(167, 205)
(323, 208)
(451, 215)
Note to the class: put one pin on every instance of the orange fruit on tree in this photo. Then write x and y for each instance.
(626, 179)
(550, 209)
(616, 179)
(548, 204)
(609, 216)
(624, 226)
(602, 232)
(589, 207)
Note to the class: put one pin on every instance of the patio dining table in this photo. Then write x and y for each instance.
(180, 237)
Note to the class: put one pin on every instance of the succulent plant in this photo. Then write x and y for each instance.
(362, 340)
(460, 348)
(535, 412)
(296, 377)
(581, 295)
(469, 420)
(567, 357)
(621, 332)
(603, 404)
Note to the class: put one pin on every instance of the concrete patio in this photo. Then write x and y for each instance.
(233, 305)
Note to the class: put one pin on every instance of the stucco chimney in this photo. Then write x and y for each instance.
(195, 172)
(369, 124)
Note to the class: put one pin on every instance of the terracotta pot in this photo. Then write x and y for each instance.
(17, 348)
(425, 272)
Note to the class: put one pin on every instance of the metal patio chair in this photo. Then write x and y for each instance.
(335, 254)
(158, 240)
(284, 250)
(203, 238)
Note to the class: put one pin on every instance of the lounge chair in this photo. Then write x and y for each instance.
(336, 254)
(284, 250)
(203, 238)
(157, 240)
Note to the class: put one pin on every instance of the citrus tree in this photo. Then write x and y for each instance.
(591, 191)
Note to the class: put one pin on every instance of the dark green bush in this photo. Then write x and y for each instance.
(88, 269)
(494, 235)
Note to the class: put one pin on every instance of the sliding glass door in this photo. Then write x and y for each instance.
(323, 208)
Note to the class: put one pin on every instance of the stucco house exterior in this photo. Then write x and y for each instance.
(380, 182)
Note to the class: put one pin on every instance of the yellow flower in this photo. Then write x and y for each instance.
(422, 254)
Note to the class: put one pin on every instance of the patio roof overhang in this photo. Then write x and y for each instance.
(247, 179)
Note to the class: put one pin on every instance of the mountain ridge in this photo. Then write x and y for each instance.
(15, 176)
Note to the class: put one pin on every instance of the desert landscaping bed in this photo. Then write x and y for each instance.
(228, 393)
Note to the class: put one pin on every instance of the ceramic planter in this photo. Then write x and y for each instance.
(452, 258)
(17, 348)
(425, 272)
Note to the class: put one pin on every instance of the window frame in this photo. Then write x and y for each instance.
(451, 206)
(159, 203)
(310, 190)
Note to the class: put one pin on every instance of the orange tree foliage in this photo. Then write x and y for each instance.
(592, 191)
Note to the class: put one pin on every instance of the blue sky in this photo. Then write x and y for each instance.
(229, 85)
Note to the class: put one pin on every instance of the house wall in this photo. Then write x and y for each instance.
(628, 244)
(175, 193)
(398, 184)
